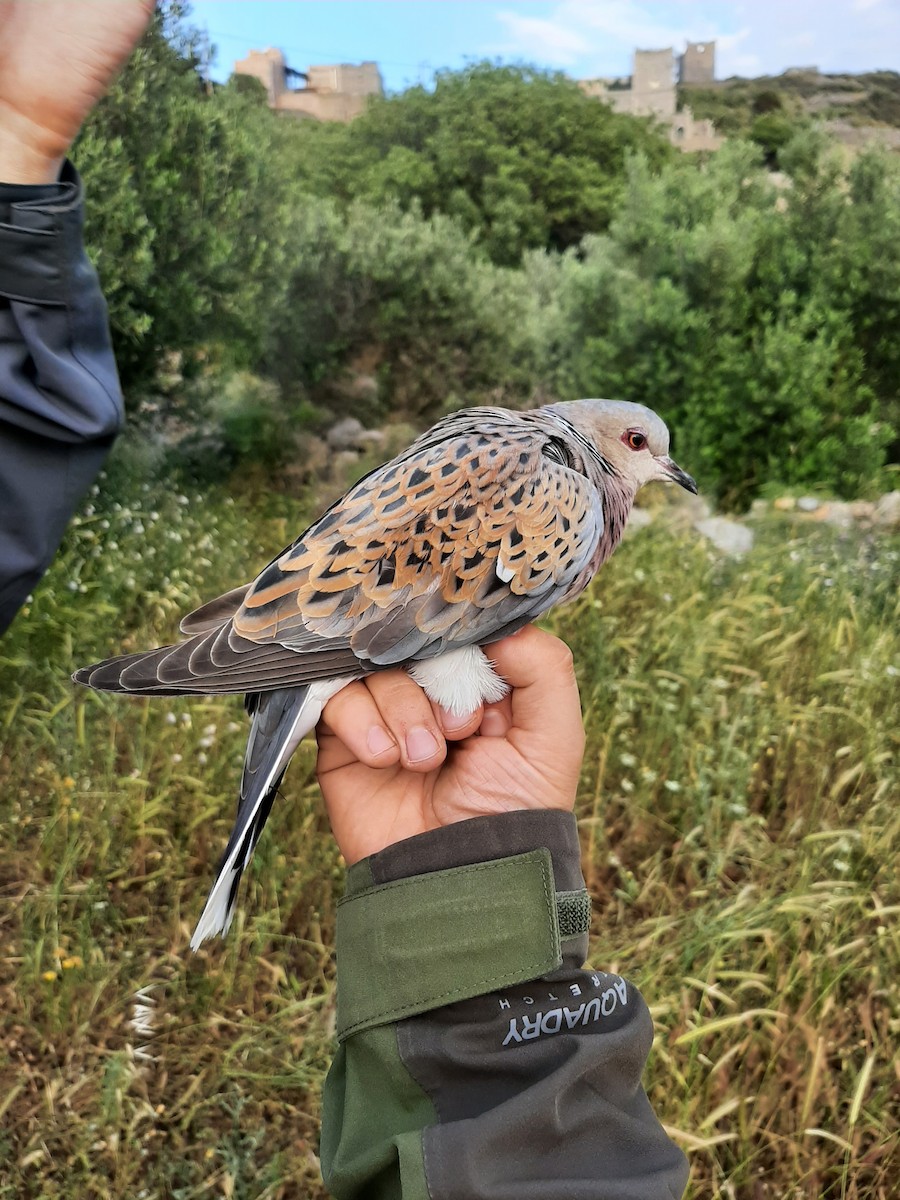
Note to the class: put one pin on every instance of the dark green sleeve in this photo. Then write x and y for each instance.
(478, 1060)
(60, 401)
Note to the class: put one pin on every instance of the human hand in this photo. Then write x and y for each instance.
(429, 771)
(57, 58)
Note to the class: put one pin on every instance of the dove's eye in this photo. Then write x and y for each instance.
(635, 440)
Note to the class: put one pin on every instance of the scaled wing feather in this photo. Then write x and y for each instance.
(454, 543)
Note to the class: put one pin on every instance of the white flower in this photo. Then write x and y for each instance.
(671, 786)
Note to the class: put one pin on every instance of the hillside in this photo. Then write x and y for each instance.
(853, 107)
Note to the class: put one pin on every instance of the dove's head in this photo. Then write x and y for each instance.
(632, 439)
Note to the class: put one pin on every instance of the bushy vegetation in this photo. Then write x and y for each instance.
(738, 816)
(746, 314)
(522, 158)
(735, 105)
(501, 238)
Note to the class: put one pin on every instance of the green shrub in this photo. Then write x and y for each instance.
(443, 325)
(522, 157)
(739, 311)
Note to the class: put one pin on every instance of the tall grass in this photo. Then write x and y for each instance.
(740, 826)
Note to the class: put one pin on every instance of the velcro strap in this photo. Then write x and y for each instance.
(415, 944)
(574, 912)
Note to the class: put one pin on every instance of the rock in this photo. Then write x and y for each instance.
(836, 513)
(682, 510)
(345, 435)
(786, 503)
(728, 536)
(316, 457)
(639, 518)
(862, 510)
(363, 387)
(807, 504)
(349, 434)
(344, 464)
(887, 510)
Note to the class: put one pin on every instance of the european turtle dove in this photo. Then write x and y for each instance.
(483, 524)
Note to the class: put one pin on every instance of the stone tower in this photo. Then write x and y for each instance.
(653, 83)
(698, 63)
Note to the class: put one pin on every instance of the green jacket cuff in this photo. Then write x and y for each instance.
(476, 906)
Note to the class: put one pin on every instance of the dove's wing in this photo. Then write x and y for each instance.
(214, 612)
(457, 542)
(481, 526)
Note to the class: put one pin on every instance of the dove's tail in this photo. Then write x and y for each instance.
(280, 720)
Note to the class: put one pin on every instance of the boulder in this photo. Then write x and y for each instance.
(639, 518)
(837, 513)
(349, 434)
(730, 537)
(887, 510)
(345, 434)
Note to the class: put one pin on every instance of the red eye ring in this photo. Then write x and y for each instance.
(634, 439)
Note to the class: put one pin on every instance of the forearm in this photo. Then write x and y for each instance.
(477, 1058)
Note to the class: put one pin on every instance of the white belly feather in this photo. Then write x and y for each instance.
(459, 680)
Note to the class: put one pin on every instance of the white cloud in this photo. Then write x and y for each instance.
(550, 41)
(753, 37)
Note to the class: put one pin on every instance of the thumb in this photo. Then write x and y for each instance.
(546, 710)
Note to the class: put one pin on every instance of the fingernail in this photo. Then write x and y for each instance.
(420, 744)
(379, 740)
(452, 721)
(493, 724)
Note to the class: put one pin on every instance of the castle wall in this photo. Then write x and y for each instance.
(268, 67)
(652, 93)
(338, 92)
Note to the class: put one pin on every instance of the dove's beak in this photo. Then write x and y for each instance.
(672, 472)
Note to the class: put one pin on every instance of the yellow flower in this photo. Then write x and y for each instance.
(74, 960)
(49, 976)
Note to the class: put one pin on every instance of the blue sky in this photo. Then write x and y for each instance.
(409, 39)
